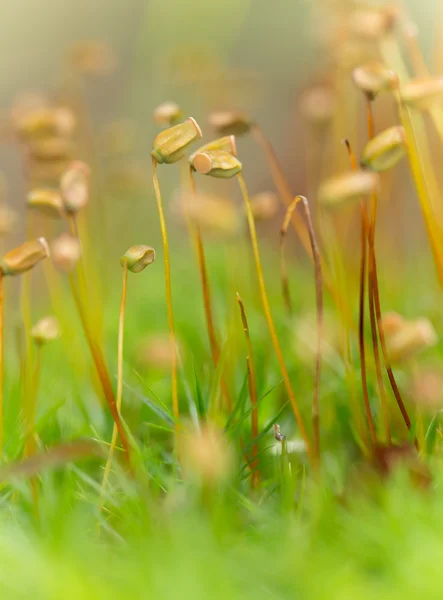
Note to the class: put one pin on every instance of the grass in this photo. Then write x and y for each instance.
(266, 447)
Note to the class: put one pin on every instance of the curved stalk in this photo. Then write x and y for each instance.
(121, 327)
(167, 267)
(270, 321)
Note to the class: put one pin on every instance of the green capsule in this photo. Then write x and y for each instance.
(137, 258)
(385, 149)
(226, 144)
(217, 163)
(24, 257)
(171, 144)
(46, 201)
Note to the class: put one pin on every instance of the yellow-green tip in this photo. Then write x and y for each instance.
(217, 163)
(171, 144)
(385, 149)
(137, 258)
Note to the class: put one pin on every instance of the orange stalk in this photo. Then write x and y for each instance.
(270, 321)
(102, 371)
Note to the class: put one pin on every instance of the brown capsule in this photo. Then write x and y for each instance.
(264, 206)
(24, 257)
(137, 258)
(74, 187)
(423, 93)
(170, 145)
(66, 252)
(225, 144)
(167, 114)
(46, 201)
(385, 149)
(230, 122)
(217, 163)
(347, 187)
(373, 78)
(46, 330)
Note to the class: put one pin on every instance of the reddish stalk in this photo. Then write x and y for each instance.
(361, 312)
(372, 316)
(388, 367)
(361, 324)
(252, 385)
(102, 371)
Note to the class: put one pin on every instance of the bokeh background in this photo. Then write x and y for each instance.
(250, 54)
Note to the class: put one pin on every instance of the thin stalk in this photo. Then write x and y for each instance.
(369, 116)
(280, 182)
(270, 321)
(388, 367)
(26, 317)
(252, 385)
(284, 191)
(121, 326)
(31, 407)
(195, 232)
(102, 371)
(80, 268)
(167, 267)
(418, 171)
(283, 269)
(361, 325)
(361, 311)
(319, 302)
(372, 317)
(1, 361)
